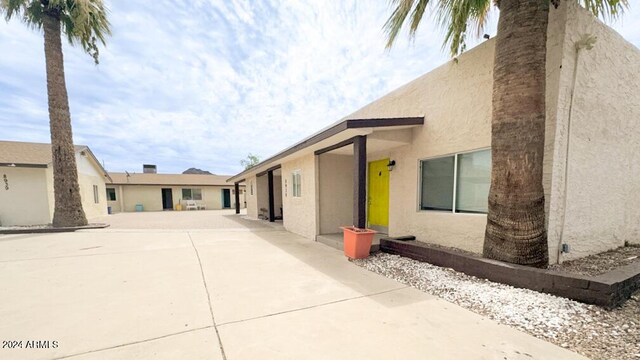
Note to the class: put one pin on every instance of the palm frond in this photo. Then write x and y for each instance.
(606, 9)
(454, 16)
(83, 22)
(402, 9)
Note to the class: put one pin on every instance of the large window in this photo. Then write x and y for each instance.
(458, 183)
(111, 194)
(192, 194)
(296, 183)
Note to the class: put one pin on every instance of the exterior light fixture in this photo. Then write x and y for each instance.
(391, 165)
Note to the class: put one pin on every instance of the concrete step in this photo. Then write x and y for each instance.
(335, 241)
(332, 240)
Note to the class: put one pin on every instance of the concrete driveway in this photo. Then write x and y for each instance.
(235, 293)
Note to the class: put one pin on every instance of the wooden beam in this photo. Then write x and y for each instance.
(360, 181)
(333, 147)
(269, 169)
(272, 213)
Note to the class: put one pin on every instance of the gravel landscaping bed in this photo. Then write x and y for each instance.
(601, 263)
(587, 329)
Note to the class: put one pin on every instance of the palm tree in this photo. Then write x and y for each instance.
(515, 229)
(83, 22)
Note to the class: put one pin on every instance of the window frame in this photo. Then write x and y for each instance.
(96, 196)
(191, 191)
(296, 185)
(115, 195)
(455, 182)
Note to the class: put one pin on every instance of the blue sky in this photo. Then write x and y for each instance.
(203, 83)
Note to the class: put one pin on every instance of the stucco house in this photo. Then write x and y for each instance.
(417, 160)
(26, 187)
(157, 192)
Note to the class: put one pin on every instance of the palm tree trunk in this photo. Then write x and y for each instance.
(515, 230)
(68, 205)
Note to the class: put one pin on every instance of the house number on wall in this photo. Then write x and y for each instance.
(6, 181)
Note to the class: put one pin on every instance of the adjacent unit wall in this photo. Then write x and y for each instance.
(26, 202)
(88, 176)
(300, 212)
(150, 196)
(595, 208)
(277, 195)
(262, 195)
(116, 206)
(252, 197)
(335, 193)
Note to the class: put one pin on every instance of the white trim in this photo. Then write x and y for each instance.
(455, 182)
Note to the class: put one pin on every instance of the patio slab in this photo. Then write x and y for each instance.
(401, 324)
(265, 273)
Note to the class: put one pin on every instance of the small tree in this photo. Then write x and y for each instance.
(250, 161)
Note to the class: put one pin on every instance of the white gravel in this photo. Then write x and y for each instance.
(587, 329)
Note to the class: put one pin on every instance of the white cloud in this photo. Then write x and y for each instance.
(203, 83)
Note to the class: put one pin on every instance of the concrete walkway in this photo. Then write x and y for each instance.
(226, 294)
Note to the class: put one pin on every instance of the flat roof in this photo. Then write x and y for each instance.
(326, 133)
(119, 178)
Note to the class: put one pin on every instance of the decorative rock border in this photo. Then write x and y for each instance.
(45, 230)
(608, 290)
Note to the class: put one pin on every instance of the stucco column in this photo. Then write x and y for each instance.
(359, 181)
(121, 197)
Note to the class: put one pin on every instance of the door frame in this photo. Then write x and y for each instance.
(226, 191)
(168, 191)
(379, 228)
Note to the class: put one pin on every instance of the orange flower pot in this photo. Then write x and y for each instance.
(357, 242)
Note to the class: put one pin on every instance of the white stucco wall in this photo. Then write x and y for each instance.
(50, 195)
(335, 193)
(456, 102)
(252, 197)
(88, 176)
(116, 206)
(262, 195)
(602, 187)
(300, 212)
(277, 194)
(26, 202)
(150, 196)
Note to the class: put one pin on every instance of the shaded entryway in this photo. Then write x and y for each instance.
(226, 198)
(269, 194)
(354, 182)
(167, 199)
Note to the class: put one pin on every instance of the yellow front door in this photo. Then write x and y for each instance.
(378, 193)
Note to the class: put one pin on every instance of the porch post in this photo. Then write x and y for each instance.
(359, 181)
(272, 213)
(237, 190)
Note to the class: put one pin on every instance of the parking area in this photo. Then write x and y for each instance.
(183, 220)
(233, 293)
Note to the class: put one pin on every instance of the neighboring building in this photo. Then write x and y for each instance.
(437, 132)
(157, 192)
(26, 184)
